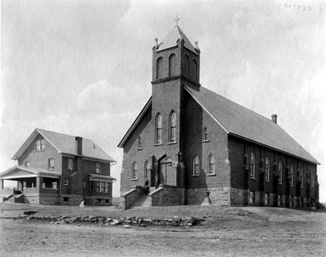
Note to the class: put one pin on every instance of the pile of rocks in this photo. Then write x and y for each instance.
(125, 221)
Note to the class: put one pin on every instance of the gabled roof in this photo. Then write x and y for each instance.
(27, 172)
(242, 122)
(172, 38)
(65, 144)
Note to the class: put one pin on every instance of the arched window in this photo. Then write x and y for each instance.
(195, 165)
(172, 65)
(205, 134)
(139, 146)
(252, 165)
(291, 175)
(158, 129)
(186, 66)
(211, 164)
(134, 170)
(159, 68)
(267, 169)
(194, 71)
(280, 172)
(146, 169)
(173, 127)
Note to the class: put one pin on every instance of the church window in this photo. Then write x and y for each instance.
(187, 66)
(211, 164)
(291, 175)
(70, 164)
(195, 165)
(158, 129)
(267, 169)
(173, 127)
(252, 166)
(134, 170)
(139, 146)
(172, 65)
(159, 68)
(280, 172)
(146, 169)
(194, 75)
(205, 134)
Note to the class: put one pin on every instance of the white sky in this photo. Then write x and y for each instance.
(84, 67)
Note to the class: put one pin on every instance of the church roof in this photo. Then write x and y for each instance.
(242, 122)
(172, 38)
(65, 144)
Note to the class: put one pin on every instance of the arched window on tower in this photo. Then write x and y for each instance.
(186, 69)
(158, 129)
(195, 165)
(173, 127)
(194, 74)
(172, 65)
(159, 68)
(211, 164)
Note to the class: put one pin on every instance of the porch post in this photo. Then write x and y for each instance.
(2, 184)
(38, 182)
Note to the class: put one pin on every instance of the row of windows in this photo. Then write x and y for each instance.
(189, 69)
(279, 168)
(210, 165)
(147, 169)
(172, 128)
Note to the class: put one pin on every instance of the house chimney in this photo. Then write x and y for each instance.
(274, 118)
(79, 145)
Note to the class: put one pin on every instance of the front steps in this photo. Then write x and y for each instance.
(143, 201)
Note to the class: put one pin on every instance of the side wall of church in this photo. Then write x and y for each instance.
(273, 188)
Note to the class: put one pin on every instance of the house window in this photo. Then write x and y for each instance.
(211, 164)
(103, 184)
(51, 164)
(252, 166)
(84, 183)
(27, 164)
(291, 175)
(313, 181)
(134, 170)
(205, 134)
(280, 172)
(40, 145)
(139, 146)
(301, 177)
(267, 169)
(98, 167)
(107, 189)
(158, 129)
(66, 182)
(173, 127)
(70, 164)
(98, 186)
(195, 165)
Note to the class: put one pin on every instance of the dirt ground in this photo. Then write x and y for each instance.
(226, 231)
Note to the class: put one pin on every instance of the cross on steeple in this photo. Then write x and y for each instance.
(176, 20)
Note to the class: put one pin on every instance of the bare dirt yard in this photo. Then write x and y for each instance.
(224, 231)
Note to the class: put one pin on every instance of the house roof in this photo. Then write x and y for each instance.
(242, 122)
(27, 172)
(172, 38)
(65, 144)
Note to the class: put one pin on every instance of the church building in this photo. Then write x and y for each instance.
(191, 146)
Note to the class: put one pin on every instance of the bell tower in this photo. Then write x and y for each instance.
(175, 58)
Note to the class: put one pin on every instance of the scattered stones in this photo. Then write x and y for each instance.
(115, 221)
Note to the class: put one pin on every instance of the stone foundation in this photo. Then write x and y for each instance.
(167, 196)
(217, 196)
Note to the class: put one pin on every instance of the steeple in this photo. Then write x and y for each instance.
(175, 57)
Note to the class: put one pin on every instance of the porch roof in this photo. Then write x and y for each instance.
(98, 177)
(17, 172)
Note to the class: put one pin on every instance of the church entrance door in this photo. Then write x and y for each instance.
(167, 174)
